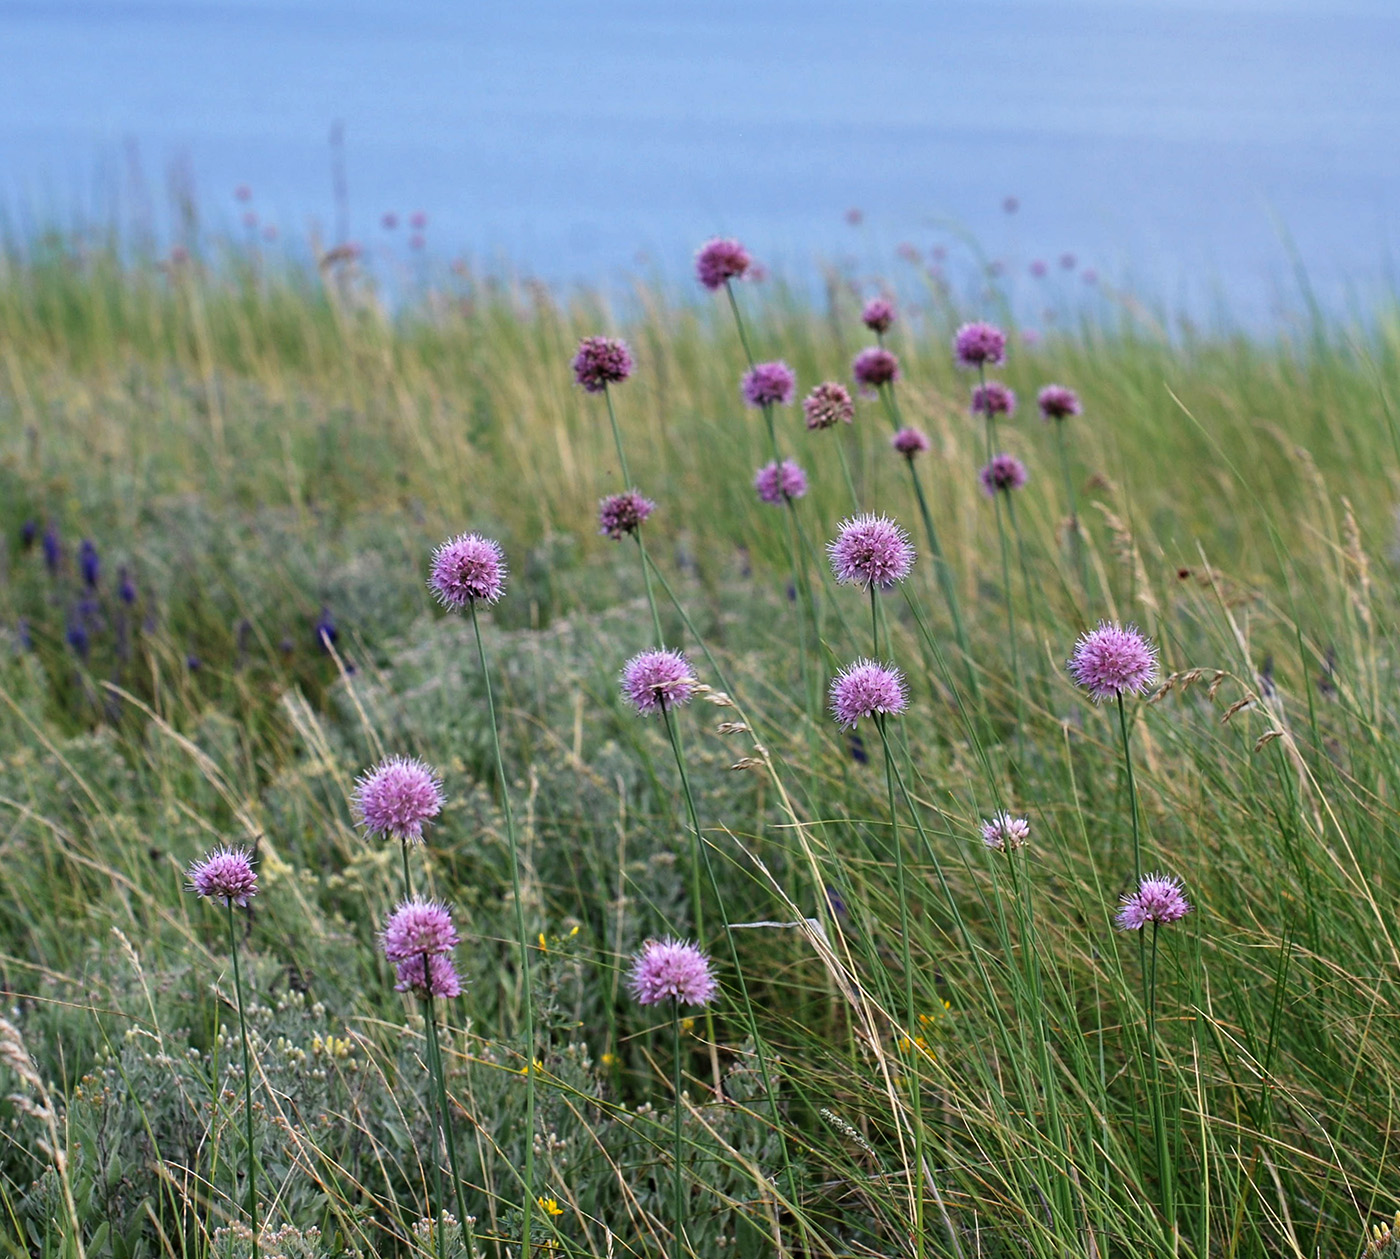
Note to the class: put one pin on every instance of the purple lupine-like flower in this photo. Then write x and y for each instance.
(653, 681)
(993, 398)
(979, 345)
(1058, 403)
(719, 261)
(1110, 660)
(28, 531)
(1004, 832)
(621, 514)
(468, 568)
(878, 315)
(53, 549)
(325, 629)
(126, 588)
(89, 564)
(910, 442)
(226, 874)
(397, 797)
(600, 362)
(776, 483)
(768, 384)
(829, 403)
(433, 976)
(1005, 472)
(875, 366)
(871, 551)
(418, 928)
(1158, 899)
(867, 689)
(672, 970)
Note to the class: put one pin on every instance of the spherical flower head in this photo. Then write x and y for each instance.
(226, 875)
(397, 797)
(621, 514)
(1058, 403)
(875, 366)
(878, 315)
(867, 689)
(870, 551)
(768, 384)
(600, 362)
(1004, 832)
(778, 482)
(909, 442)
(672, 970)
(1158, 899)
(468, 568)
(1005, 472)
(653, 681)
(719, 261)
(979, 345)
(417, 928)
(433, 976)
(993, 398)
(829, 403)
(1110, 660)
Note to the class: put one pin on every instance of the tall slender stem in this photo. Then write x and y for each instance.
(738, 320)
(617, 441)
(679, 1200)
(247, 1083)
(1159, 1115)
(1132, 790)
(407, 878)
(524, 941)
(439, 1070)
(1076, 544)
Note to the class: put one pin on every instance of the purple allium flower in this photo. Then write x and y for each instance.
(1058, 403)
(909, 442)
(1110, 660)
(778, 482)
(870, 551)
(1038, 269)
(397, 797)
(1004, 831)
(1068, 262)
(442, 979)
(721, 260)
(226, 874)
(416, 928)
(769, 383)
(1011, 204)
(621, 514)
(978, 344)
(1005, 472)
(875, 366)
(653, 681)
(993, 398)
(1158, 899)
(829, 403)
(600, 362)
(878, 315)
(673, 970)
(468, 567)
(865, 689)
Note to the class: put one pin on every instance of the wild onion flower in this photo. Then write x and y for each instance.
(871, 551)
(1158, 899)
(720, 260)
(1038, 269)
(468, 568)
(878, 315)
(226, 875)
(653, 681)
(417, 928)
(397, 797)
(867, 689)
(1058, 403)
(435, 976)
(1110, 660)
(909, 442)
(600, 362)
(875, 366)
(992, 399)
(776, 483)
(980, 345)
(1005, 472)
(829, 403)
(672, 970)
(621, 514)
(769, 383)
(1003, 832)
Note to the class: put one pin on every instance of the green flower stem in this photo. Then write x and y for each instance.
(439, 1072)
(407, 878)
(1076, 543)
(738, 321)
(247, 1083)
(1132, 791)
(679, 1201)
(627, 485)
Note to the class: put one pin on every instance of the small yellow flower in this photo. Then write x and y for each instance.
(687, 1025)
(609, 1060)
(544, 946)
(549, 1206)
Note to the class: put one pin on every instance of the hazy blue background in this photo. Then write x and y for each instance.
(1162, 143)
